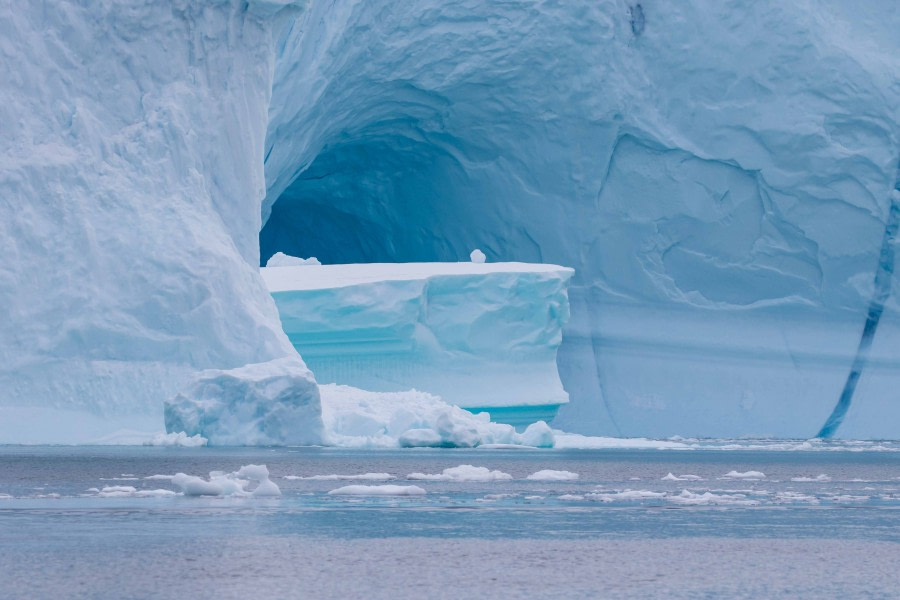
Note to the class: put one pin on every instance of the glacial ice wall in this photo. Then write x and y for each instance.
(718, 173)
(131, 175)
(480, 336)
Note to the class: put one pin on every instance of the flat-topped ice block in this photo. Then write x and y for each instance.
(481, 336)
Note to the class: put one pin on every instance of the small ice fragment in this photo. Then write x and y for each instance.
(378, 490)
(570, 497)
(160, 477)
(463, 473)
(477, 256)
(362, 476)
(551, 475)
(821, 477)
(672, 477)
(745, 475)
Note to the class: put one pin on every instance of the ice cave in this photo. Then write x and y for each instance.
(722, 178)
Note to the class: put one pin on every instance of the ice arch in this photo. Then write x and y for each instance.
(722, 198)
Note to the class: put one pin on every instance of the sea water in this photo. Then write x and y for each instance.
(721, 518)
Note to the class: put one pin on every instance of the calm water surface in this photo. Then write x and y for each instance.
(818, 524)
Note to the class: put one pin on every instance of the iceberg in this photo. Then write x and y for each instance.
(480, 336)
(719, 175)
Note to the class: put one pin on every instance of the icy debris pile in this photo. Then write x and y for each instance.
(248, 481)
(271, 403)
(360, 418)
(480, 336)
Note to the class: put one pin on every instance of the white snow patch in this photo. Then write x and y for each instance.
(378, 490)
(551, 475)
(463, 473)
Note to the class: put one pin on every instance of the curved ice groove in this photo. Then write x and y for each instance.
(881, 294)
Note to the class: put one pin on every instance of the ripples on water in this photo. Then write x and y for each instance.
(719, 518)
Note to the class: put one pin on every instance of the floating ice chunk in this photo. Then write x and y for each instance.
(280, 259)
(744, 475)
(625, 495)
(127, 491)
(551, 475)
(272, 403)
(229, 484)
(821, 477)
(672, 477)
(570, 497)
(179, 438)
(690, 498)
(463, 473)
(378, 490)
(5, 497)
(477, 256)
(361, 477)
(159, 477)
(364, 419)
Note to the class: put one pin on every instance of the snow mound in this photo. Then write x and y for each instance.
(551, 475)
(378, 490)
(271, 403)
(236, 484)
(463, 473)
(362, 419)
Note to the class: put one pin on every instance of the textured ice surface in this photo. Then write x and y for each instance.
(272, 403)
(717, 173)
(477, 335)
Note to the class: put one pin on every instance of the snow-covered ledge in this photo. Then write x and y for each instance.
(480, 336)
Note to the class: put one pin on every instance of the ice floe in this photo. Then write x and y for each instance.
(463, 473)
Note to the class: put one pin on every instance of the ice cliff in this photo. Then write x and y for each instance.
(717, 173)
(480, 336)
